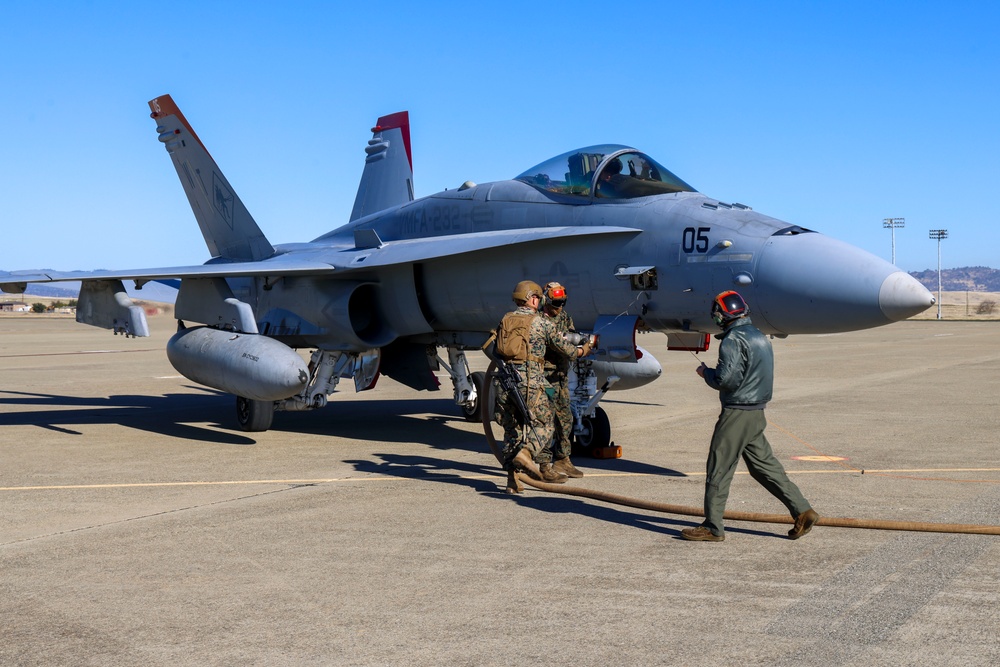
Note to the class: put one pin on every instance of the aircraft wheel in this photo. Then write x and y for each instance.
(472, 413)
(254, 415)
(598, 432)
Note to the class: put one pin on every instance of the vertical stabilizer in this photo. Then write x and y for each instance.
(388, 177)
(229, 229)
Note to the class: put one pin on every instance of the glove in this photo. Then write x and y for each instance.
(585, 349)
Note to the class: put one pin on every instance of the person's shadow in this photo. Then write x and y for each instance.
(470, 476)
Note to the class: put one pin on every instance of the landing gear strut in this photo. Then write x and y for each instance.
(592, 428)
(468, 386)
(472, 410)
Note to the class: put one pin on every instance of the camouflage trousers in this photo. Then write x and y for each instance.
(535, 437)
(562, 443)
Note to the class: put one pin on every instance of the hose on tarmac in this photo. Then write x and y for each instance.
(837, 522)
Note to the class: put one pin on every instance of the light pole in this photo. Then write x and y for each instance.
(892, 224)
(939, 234)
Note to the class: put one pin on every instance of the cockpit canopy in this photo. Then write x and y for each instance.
(608, 171)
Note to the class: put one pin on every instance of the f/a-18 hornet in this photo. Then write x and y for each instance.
(637, 248)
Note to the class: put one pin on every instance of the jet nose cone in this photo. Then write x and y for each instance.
(810, 283)
(902, 296)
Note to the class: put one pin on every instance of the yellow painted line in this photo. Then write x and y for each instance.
(78, 352)
(243, 482)
(840, 471)
(330, 480)
(820, 457)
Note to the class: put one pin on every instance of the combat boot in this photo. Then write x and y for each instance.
(513, 483)
(551, 475)
(566, 467)
(803, 524)
(523, 461)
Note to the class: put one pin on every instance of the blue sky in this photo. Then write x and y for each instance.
(830, 115)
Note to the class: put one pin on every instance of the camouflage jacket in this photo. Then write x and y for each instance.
(556, 362)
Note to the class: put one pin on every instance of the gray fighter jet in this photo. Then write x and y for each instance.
(637, 248)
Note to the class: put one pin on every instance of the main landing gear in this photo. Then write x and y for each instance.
(476, 396)
(326, 368)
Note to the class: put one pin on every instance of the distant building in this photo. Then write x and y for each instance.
(15, 307)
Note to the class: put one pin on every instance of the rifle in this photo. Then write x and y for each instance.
(508, 377)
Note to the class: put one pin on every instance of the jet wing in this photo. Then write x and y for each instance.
(387, 253)
(320, 260)
(14, 282)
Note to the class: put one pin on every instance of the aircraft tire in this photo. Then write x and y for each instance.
(474, 413)
(598, 432)
(254, 415)
(487, 401)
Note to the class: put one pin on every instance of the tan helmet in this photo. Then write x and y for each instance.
(526, 289)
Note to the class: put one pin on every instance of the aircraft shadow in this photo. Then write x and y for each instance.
(175, 415)
(428, 421)
(424, 420)
(386, 421)
(167, 414)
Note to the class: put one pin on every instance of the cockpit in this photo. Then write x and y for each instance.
(608, 171)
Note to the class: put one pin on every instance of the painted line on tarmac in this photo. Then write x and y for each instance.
(331, 480)
(239, 482)
(78, 352)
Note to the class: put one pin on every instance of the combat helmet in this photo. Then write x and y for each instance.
(525, 290)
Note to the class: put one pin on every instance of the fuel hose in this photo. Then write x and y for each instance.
(613, 498)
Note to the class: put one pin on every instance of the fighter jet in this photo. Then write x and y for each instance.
(637, 248)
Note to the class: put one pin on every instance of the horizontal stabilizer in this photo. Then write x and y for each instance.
(407, 364)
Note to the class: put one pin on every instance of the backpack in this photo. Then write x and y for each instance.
(512, 336)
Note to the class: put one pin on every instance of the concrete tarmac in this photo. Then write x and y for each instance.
(138, 525)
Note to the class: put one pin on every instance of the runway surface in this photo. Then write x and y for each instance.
(138, 525)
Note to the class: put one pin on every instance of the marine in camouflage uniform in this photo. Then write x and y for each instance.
(535, 437)
(557, 373)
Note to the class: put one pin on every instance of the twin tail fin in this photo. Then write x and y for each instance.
(229, 230)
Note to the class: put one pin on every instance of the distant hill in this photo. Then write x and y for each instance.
(967, 278)
(44, 289)
(152, 291)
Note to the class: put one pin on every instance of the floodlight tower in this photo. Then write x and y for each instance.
(939, 234)
(892, 224)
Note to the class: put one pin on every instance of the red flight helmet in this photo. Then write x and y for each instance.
(728, 306)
